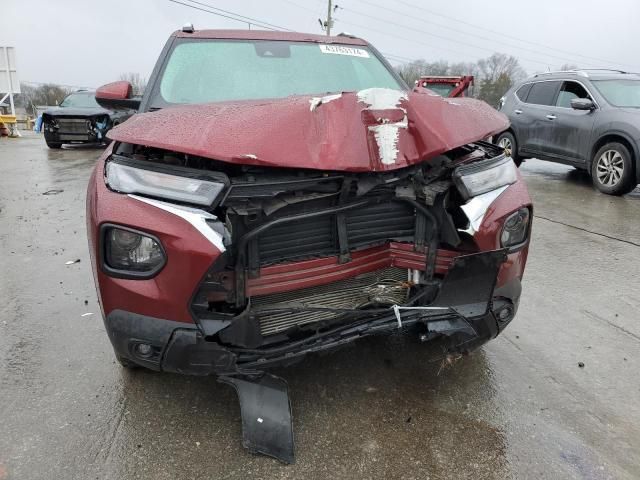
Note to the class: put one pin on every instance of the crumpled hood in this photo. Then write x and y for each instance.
(75, 111)
(376, 129)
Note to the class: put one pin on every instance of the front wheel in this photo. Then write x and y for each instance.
(54, 145)
(507, 141)
(612, 169)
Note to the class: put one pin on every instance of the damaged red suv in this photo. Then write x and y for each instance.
(281, 194)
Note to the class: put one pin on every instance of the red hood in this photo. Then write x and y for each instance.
(371, 130)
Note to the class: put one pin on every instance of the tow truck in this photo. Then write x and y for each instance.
(447, 86)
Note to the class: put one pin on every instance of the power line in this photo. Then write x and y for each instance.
(448, 17)
(565, 59)
(442, 37)
(400, 37)
(253, 20)
(259, 24)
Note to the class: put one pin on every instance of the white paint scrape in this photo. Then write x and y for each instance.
(386, 134)
(315, 102)
(381, 98)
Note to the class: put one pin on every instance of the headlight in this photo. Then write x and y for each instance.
(516, 228)
(128, 253)
(484, 176)
(172, 183)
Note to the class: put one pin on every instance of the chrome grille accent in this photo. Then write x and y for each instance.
(383, 287)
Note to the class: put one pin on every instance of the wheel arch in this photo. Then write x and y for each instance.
(618, 137)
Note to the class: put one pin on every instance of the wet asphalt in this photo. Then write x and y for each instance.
(520, 407)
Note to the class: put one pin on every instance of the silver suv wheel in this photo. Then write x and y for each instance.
(610, 168)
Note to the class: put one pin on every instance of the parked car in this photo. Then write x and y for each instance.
(79, 119)
(589, 119)
(293, 214)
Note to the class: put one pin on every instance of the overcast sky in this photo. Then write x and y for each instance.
(90, 42)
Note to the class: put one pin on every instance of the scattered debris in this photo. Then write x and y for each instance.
(53, 191)
(71, 262)
(86, 314)
(581, 364)
(448, 361)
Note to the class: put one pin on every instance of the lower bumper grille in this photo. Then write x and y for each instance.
(383, 287)
(73, 125)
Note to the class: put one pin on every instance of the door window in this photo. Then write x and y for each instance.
(543, 93)
(570, 91)
(523, 91)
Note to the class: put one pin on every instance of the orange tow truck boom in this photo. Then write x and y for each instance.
(447, 86)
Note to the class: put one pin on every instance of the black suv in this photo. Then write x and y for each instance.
(79, 119)
(589, 119)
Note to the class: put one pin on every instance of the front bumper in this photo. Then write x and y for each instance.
(467, 312)
(158, 311)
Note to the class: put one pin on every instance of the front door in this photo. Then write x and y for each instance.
(572, 128)
(538, 110)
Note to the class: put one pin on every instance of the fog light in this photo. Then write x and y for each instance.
(131, 253)
(144, 349)
(516, 228)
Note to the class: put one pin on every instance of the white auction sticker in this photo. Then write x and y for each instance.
(342, 50)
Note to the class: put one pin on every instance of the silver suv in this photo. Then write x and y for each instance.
(589, 119)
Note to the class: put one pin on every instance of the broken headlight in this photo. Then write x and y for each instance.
(516, 228)
(171, 183)
(484, 176)
(129, 253)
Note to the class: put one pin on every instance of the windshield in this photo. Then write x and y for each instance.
(620, 93)
(204, 71)
(80, 100)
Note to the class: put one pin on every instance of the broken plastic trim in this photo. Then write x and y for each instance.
(267, 425)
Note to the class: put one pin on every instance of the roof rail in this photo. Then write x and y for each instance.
(583, 72)
(573, 72)
(602, 70)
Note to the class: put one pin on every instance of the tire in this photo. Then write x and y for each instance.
(507, 141)
(54, 145)
(612, 169)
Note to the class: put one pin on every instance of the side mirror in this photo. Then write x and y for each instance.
(117, 96)
(582, 104)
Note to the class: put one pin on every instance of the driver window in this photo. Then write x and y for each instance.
(568, 92)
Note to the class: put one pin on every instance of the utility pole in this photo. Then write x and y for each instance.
(328, 23)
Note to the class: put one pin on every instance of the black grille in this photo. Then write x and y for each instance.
(380, 223)
(310, 237)
(367, 226)
(73, 125)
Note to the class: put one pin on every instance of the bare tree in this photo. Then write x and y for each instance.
(498, 65)
(46, 94)
(498, 73)
(494, 75)
(137, 81)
